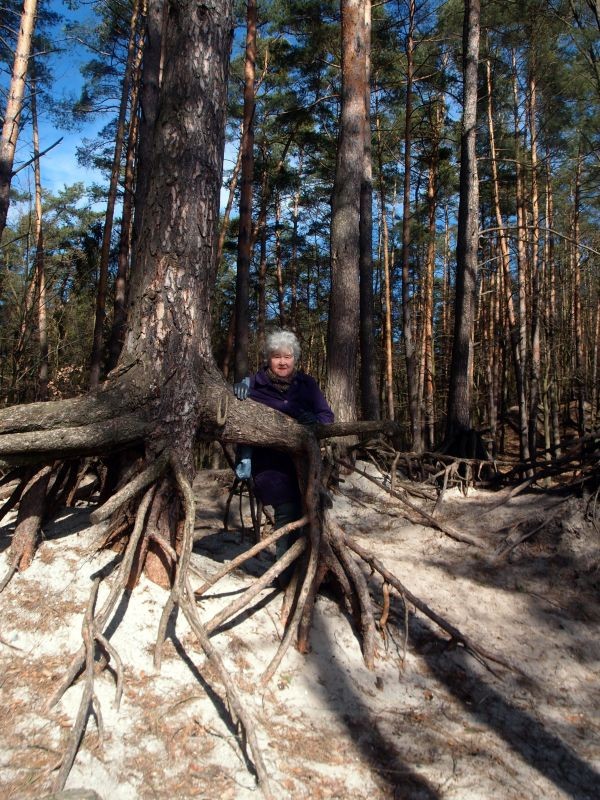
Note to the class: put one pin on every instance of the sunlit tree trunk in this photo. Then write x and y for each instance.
(40, 268)
(535, 282)
(522, 261)
(344, 305)
(124, 254)
(14, 106)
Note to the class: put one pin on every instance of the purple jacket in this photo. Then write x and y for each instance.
(274, 472)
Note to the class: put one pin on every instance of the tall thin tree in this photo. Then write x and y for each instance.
(244, 253)
(461, 368)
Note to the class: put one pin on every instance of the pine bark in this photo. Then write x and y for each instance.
(344, 305)
(459, 397)
(368, 366)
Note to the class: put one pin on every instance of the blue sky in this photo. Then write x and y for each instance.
(59, 166)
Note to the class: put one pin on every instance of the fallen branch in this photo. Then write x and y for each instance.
(513, 540)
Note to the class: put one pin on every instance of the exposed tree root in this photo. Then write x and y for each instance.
(481, 654)
(29, 520)
(431, 520)
(152, 515)
(88, 700)
(182, 595)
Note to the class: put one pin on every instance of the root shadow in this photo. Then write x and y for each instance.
(522, 732)
(346, 701)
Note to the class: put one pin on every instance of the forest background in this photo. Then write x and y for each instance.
(412, 189)
(536, 324)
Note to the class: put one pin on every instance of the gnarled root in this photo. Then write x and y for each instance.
(29, 521)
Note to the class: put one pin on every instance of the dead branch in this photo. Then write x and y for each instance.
(514, 539)
(29, 520)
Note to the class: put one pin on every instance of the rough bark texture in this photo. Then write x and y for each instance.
(368, 364)
(344, 305)
(459, 397)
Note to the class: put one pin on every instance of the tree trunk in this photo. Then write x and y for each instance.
(344, 302)
(578, 344)
(98, 336)
(408, 311)
(387, 286)
(14, 106)
(368, 365)
(125, 235)
(513, 326)
(428, 304)
(242, 284)
(279, 263)
(148, 99)
(536, 374)
(40, 270)
(459, 396)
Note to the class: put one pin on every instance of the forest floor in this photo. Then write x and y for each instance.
(429, 722)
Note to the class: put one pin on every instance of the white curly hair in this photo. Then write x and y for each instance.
(282, 340)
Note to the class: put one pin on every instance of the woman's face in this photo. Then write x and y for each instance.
(281, 362)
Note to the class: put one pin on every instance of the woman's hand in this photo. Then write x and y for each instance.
(241, 389)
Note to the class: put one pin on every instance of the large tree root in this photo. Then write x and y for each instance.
(152, 513)
(29, 521)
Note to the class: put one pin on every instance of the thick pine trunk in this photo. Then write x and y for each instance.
(344, 304)
(368, 366)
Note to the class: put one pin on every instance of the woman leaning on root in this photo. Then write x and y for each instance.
(284, 387)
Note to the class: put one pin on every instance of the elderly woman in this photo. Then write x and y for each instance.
(282, 386)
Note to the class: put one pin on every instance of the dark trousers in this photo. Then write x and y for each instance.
(284, 514)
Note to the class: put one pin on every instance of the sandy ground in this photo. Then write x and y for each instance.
(429, 722)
